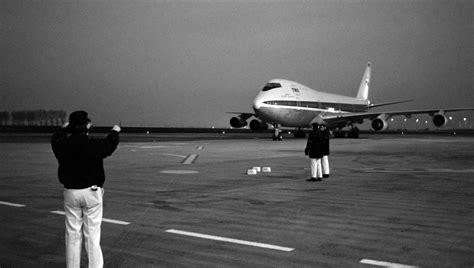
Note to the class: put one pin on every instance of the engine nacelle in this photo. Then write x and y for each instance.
(238, 122)
(379, 124)
(258, 125)
(440, 120)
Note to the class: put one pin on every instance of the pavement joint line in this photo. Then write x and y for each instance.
(230, 240)
(11, 204)
(386, 264)
(60, 212)
(190, 159)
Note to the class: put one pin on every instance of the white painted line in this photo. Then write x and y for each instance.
(115, 221)
(103, 219)
(176, 155)
(398, 170)
(179, 171)
(190, 159)
(230, 240)
(386, 264)
(58, 212)
(152, 146)
(11, 204)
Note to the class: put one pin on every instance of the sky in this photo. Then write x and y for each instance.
(187, 63)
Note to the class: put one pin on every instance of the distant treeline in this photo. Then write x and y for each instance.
(33, 118)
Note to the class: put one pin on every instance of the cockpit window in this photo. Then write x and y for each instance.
(269, 86)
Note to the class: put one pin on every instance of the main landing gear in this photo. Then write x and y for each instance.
(353, 133)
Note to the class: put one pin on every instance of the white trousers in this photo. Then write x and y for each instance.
(83, 208)
(316, 171)
(325, 164)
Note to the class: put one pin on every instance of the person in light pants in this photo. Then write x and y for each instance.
(316, 170)
(314, 151)
(81, 171)
(83, 209)
(325, 149)
(325, 166)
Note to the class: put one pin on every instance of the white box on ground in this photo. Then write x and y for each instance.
(251, 171)
(266, 169)
(258, 169)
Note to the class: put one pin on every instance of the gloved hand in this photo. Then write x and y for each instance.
(117, 128)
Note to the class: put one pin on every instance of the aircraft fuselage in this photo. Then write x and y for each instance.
(292, 104)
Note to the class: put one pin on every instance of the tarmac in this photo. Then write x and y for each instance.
(390, 201)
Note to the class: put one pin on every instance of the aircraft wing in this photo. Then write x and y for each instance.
(344, 119)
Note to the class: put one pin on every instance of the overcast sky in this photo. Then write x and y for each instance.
(187, 63)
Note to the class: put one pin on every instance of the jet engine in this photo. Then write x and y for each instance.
(238, 122)
(440, 120)
(258, 125)
(379, 124)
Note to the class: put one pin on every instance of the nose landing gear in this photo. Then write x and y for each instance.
(277, 134)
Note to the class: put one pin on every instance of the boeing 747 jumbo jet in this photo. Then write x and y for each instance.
(290, 104)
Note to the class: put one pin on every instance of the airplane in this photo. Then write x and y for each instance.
(290, 104)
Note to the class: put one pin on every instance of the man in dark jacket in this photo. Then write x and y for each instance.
(325, 149)
(314, 151)
(81, 171)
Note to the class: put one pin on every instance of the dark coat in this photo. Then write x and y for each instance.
(80, 158)
(314, 146)
(325, 142)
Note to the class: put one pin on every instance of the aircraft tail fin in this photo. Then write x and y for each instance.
(363, 93)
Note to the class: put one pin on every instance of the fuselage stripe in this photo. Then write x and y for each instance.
(347, 107)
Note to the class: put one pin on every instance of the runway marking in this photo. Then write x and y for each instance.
(230, 240)
(11, 204)
(386, 264)
(190, 159)
(176, 155)
(152, 146)
(59, 212)
(179, 171)
(441, 170)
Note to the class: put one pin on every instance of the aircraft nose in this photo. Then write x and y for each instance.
(257, 103)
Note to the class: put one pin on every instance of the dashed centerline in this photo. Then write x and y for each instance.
(230, 240)
(11, 204)
(386, 264)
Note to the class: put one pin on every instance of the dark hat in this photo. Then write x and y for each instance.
(78, 118)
